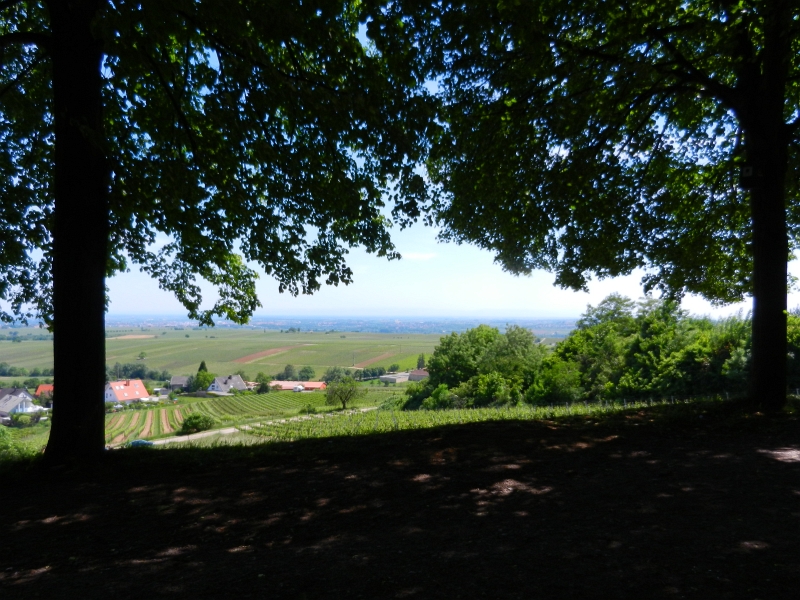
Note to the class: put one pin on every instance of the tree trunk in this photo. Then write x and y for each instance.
(770, 254)
(766, 147)
(80, 234)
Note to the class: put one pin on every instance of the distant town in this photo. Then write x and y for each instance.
(550, 328)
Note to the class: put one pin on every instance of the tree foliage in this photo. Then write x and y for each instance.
(266, 132)
(307, 373)
(334, 374)
(593, 138)
(344, 391)
(193, 140)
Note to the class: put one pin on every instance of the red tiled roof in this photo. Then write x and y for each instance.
(44, 389)
(290, 385)
(126, 390)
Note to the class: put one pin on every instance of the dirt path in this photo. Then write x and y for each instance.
(115, 420)
(366, 363)
(178, 415)
(510, 510)
(148, 424)
(229, 430)
(165, 426)
(253, 357)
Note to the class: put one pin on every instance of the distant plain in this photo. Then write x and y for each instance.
(227, 350)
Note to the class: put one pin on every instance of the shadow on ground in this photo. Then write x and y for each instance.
(502, 510)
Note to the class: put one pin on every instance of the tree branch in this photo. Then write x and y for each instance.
(8, 4)
(13, 83)
(691, 74)
(175, 105)
(24, 38)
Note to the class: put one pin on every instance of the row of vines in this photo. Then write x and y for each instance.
(158, 422)
(130, 425)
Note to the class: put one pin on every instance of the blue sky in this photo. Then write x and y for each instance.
(432, 280)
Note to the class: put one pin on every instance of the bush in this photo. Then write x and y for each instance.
(308, 409)
(8, 449)
(441, 398)
(417, 392)
(195, 423)
(21, 420)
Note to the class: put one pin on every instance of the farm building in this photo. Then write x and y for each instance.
(226, 384)
(394, 378)
(45, 390)
(179, 383)
(16, 400)
(305, 386)
(125, 390)
(418, 375)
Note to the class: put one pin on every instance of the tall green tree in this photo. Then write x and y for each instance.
(190, 139)
(595, 138)
(344, 391)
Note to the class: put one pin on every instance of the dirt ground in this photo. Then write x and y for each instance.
(708, 508)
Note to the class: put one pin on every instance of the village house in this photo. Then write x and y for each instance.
(45, 390)
(179, 383)
(291, 386)
(16, 400)
(226, 384)
(126, 390)
(418, 375)
(394, 378)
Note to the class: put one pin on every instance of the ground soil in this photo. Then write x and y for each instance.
(148, 424)
(253, 357)
(165, 426)
(708, 507)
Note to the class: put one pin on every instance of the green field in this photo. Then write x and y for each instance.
(229, 350)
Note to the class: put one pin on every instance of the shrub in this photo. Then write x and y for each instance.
(195, 423)
(308, 409)
(8, 448)
(441, 398)
(21, 420)
(417, 392)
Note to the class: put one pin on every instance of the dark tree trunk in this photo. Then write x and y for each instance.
(766, 147)
(80, 234)
(770, 254)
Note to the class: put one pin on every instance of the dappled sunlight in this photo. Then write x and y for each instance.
(386, 520)
(787, 455)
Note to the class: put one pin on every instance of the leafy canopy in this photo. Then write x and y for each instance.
(235, 133)
(597, 137)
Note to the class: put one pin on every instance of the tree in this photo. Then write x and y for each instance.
(289, 373)
(263, 380)
(421, 361)
(202, 380)
(307, 373)
(394, 368)
(334, 374)
(202, 366)
(260, 132)
(457, 357)
(598, 138)
(142, 355)
(344, 392)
